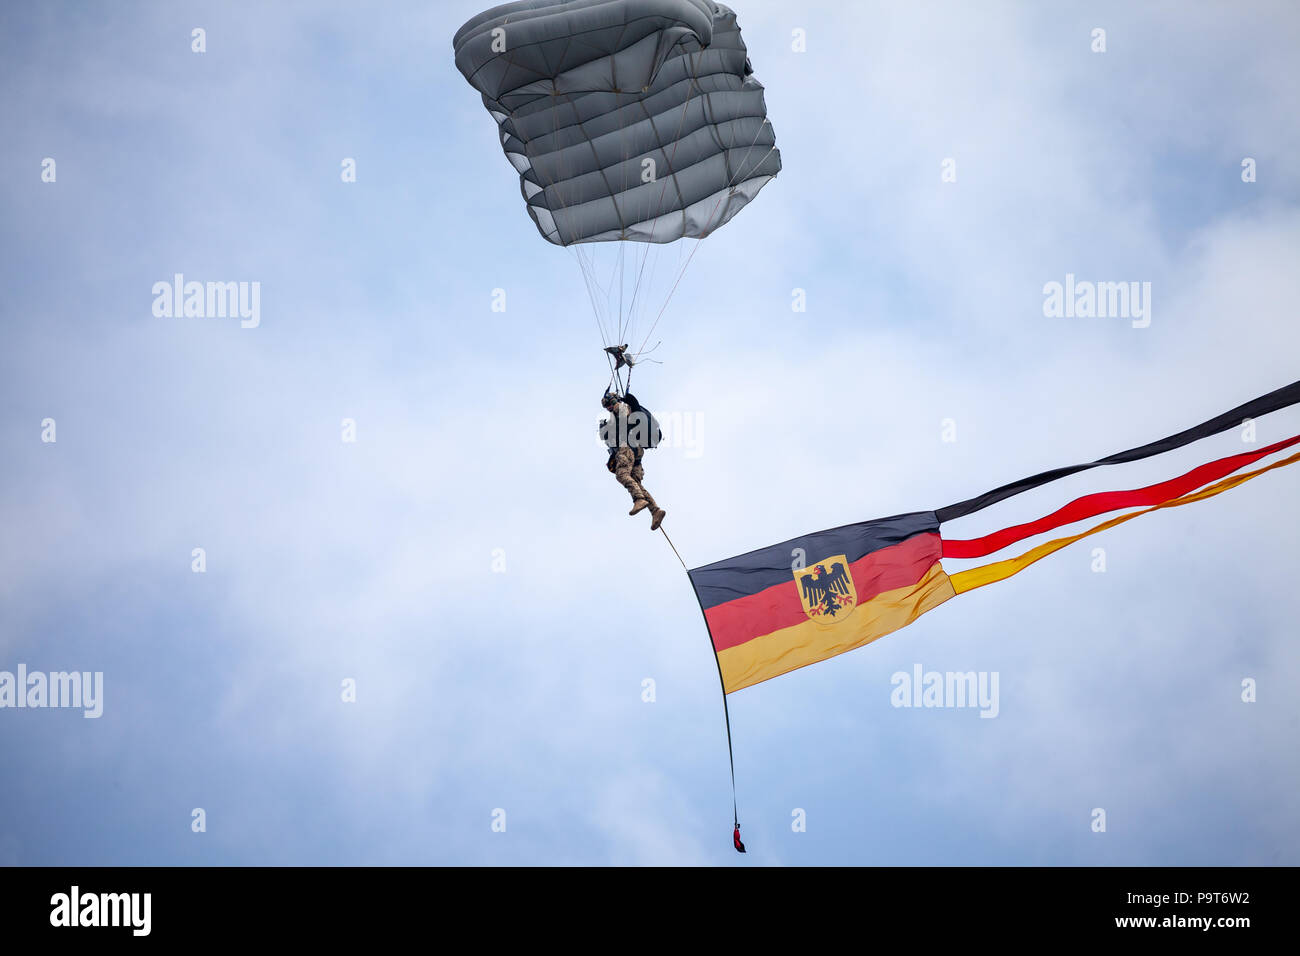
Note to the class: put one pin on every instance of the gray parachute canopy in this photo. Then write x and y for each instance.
(626, 119)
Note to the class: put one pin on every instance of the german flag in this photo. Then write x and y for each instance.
(807, 599)
(812, 598)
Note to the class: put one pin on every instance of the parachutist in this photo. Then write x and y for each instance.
(629, 431)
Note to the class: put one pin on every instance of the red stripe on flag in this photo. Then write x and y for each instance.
(1089, 506)
(778, 607)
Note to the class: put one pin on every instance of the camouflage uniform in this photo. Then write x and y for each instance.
(626, 466)
(625, 461)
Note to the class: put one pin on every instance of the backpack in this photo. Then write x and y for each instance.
(642, 424)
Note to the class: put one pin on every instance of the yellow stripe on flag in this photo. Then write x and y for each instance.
(793, 647)
(999, 570)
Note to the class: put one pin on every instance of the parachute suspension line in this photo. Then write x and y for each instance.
(636, 288)
(596, 291)
(694, 87)
(712, 215)
(624, 319)
(606, 291)
(681, 273)
(640, 358)
(679, 267)
(590, 282)
(588, 278)
(672, 170)
(622, 327)
(586, 261)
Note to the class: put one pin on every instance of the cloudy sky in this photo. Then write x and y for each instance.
(468, 562)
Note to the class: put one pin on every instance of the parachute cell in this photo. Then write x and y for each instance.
(626, 119)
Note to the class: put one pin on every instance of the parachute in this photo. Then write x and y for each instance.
(627, 121)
